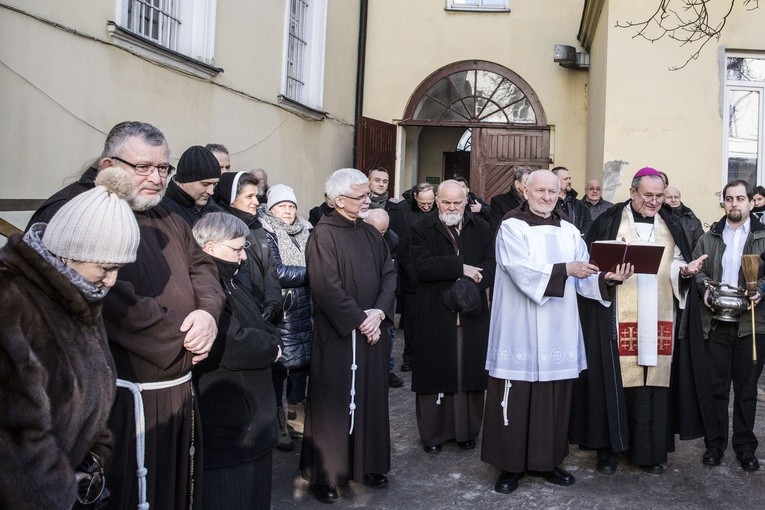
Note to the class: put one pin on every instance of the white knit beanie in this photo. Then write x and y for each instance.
(98, 225)
(280, 193)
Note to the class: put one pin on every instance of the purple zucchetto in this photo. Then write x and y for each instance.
(647, 170)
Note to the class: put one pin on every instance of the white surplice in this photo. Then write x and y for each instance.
(534, 337)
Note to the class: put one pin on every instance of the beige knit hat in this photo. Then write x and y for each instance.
(98, 225)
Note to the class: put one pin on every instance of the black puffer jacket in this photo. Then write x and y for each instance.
(296, 326)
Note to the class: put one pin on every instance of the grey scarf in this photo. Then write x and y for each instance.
(34, 239)
(290, 239)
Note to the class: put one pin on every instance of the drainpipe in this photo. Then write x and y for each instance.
(360, 60)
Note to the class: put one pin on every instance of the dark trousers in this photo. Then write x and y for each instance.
(245, 486)
(408, 314)
(297, 382)
(730, 360)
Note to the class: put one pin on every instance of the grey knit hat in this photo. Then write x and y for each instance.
(197, 164)
(98, 225)
(280, 193)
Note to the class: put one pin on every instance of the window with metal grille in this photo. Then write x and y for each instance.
(304, 52)
(296, 49)
(183, 27)
(156, 20)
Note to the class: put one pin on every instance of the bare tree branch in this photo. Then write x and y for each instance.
(688, 22)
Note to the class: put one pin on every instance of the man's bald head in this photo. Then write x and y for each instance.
(379, 219)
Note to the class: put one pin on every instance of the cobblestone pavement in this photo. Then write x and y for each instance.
(457, 479)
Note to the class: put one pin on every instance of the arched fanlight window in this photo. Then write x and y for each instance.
(466, 141)
(475, 95)
(470, 93)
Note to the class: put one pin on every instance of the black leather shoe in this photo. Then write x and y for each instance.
(608, 465)
(326, 493)
(466, 445)
(395, 381)
(375, 480)
(507, 482)
(655, 469)
(748, 461)
(558, 476)
(712, 457)
(431, 448)
(406, 366)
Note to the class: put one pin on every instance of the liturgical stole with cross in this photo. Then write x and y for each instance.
(646, 310)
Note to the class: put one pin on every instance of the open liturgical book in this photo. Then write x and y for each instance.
(645, 257)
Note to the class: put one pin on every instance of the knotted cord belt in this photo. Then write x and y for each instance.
(140, 426)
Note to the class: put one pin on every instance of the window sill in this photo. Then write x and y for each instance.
(476, 9)
(294, 106)
(130, 41)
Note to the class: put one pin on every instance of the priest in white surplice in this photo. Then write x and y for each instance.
(536, 346)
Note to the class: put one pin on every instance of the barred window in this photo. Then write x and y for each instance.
(304, 53)
(156, 20)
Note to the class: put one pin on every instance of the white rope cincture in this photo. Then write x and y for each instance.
(140, 427)
(438, 399)
(352, 406)
(505, 397)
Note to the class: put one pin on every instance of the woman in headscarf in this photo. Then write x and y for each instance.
(57, 379)
(236, 397)
(237, 194)
(288, 235)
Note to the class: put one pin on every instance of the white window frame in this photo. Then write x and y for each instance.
(754, 86)
(477, 5)
(311, 72)
(191, 48)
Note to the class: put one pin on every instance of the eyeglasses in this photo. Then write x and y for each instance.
(652, 198)
(145, 169)
(237, 250)
(360, 198)
(91, 488)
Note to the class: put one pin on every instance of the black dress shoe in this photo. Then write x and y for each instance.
(406, 366)
(557, 476)
(395, 381)
(431, 448)
(712, 457)
(507, 482)
(375, 480)
(748, 461)
(607, 466)
(654, 469)
(466, 445)
(326, 493)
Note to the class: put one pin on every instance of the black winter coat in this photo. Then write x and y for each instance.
(259, 273)
(435, 336)
(57, 381)
(184, 206)
(236, 392)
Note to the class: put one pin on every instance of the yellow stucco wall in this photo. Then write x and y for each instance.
(408, 40)
(60, 94)
(652, 116)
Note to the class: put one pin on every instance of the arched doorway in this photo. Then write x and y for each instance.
(491, 118)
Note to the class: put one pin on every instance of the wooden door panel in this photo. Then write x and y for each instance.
(376, 148)
(496, 153)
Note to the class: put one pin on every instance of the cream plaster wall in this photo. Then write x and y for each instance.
(671, 120)
(61, 93)
(408, 40)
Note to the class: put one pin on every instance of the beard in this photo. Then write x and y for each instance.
(141, 203)
(735, 215)
(450, 219)
(363, 214)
